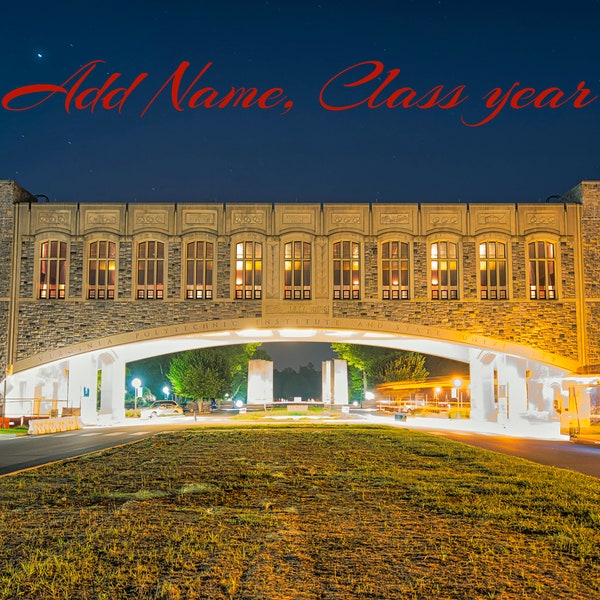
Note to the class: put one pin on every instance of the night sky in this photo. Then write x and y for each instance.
(310, 153)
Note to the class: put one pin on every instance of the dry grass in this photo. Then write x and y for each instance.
(299, 512)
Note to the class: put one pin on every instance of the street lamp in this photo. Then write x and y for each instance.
(166, 391)
(457, 383)
(137, 385)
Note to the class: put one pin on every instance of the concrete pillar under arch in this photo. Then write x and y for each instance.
(112, 389)
(512, 391)
(83, 384)
(260, 382)
(335, 382)
(483, 402)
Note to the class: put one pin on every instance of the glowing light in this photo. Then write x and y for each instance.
(297, 333)
(253, 333)
(457, 382)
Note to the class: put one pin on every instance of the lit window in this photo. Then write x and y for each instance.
(248, 270)
(199, 270)
(346, 270)
(296, 266)
(444, 271)
(394, 270)
(101, 270)
(151, 270)
(542, 271)
(53, 270)
(492, 271)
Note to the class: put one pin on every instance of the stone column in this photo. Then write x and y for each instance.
(112, 389)
(335, 382)
(512, 391)
(483, 404)
(83, 381)
(260, 381)
(326, 382)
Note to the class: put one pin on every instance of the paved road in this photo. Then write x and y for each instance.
(22, 452)
(18, 453)
(563, 454)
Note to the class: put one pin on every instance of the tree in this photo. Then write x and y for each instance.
(407, 366)
(213, 372)
(198, 374)
(378, 364)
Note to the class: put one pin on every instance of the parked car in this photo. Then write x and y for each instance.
(159, 409)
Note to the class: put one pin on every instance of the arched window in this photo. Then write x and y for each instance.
(296, 268)
(150, 270)
(346, 270)
(395, 270)
(53, 270)
(542, 270)
(199, 259)
(444, 270)
(248, 270)
(492, 271)
(101, 270)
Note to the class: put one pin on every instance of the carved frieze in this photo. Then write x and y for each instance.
(297, 219)
(345, 218)
(55, 218)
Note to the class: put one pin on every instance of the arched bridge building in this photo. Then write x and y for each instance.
(513, 289)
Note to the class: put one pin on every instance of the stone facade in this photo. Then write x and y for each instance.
(565, 327)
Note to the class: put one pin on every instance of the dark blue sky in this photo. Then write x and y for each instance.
(310, 153)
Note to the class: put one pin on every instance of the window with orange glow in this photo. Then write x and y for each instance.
(248, 271)
(199, 270)
(150, 270)
(542, 270)
(444, 271)
(492, 271)
(101, 270)
(346, 270)
(394, 271)
(53, 270)
(296, 271)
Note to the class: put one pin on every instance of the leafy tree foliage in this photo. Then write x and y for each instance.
(212, 372)
(379, 365)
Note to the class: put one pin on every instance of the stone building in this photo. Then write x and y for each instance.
(513, 289)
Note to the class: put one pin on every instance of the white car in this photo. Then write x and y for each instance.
(159, 409)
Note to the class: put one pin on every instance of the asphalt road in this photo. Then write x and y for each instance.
(17, 453)
(562, 454)
(23, 452)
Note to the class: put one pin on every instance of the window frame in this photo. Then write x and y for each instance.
(248, 283)
(46, 265)
(550, 291)
(297, 279)
(205, 290)
(400, 290)
(354, 268)
(438, 291)
(142, 291)
(502, 290)
(109, 294)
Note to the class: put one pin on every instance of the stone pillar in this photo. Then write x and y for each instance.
(260, 381)
(335, 382)
(83, 382)
(512, 391)
(112, 389)
(326, 394)
(483, 402)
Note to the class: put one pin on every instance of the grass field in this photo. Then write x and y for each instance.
(311, 511)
